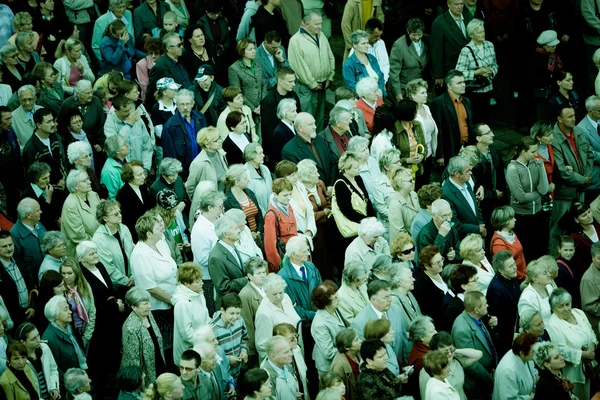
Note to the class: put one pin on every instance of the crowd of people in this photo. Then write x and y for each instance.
(184, 215)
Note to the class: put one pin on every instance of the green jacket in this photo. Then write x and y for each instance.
(569, 185)
(400, 140)
(111, 177)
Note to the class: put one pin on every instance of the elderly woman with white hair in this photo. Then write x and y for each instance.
(403, 282)
(169, 178)
(370, 98)
(361, 64)
(575, 339)
(40, 189)
(287, 110)
(77, 383)
(259, 176)
(79, 154)
(369, 167)
(382, 268)
(537, 289)
(403, 205)
(73, 66)
(353, 292)
(116, 150)
(12, 71)
(369, 243)
(246, 246)
(553, 384)
(275, 308)
(55, 250)
(79, 210)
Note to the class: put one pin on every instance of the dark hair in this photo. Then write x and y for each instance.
(115, 77)
(187, 35)
(460, 276)
(36, 170)
(282, 184)
(285, 168)
(127, 171)
(40, 114)
(524, 144)
(540, 127)
(115, 26)
(562, 75)
(272, 36)
(415, 25)
(231, 300)
(283, 72)
(253, 381)
(5, 234)
(372, 24)
(406, 110)
(213, 6)
(321, 294)
(127, 86)
(383, 119)
(153, 45)
(440, 339)
(434, 362)
(24, 330)
(428, 194)
(4, 109)
(523, 343)
(283, 328)
(567, 222)
(190, 355)
(562, 107)
(329, 379)
(370, 347)
(376, 285)
(453, 73)
(230, 93)
(49, 281)
(233, 119)
(426, 255)
(344, 339)
(120, 101)
(130, 378)
(242, 45)
(566, 240)
(345, 93)
(15, 348)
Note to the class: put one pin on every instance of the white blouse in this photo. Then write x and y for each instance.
(437, 390)
(152, 270)
(531, 300)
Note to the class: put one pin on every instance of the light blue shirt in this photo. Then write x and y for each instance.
(418, 47)
(467, 195)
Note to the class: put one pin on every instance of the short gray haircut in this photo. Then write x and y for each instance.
(382, 263)
(169, 36)
(251, 151)
(75, 378)
(82, 85)
(366, 86)
(170, 166)
(346, 104)
(25, 88)
(542, 353)
(418, 328)
(25, 207)
(85, 246)
(50, 240)
(590, 103)
(223, 226)
(308, 16)
(236, 215)
(183, 93)
(274, 281)
(457, 164)
(253, 264)
(272, 344)
(201, 334)
(357, 142)
(209, 198)
(387, 157)
(305, 168)
(474, 25)
(371, 227)
(294, 244)
(21, 37)
(525, 319)
(204, 349)
(52, 307)
(135, 296)
(285, 106)
(113, 144)
(301, 119)
(500, 258)
(352, 272)
(558, 297)
(116, 3)
(74, 179)
(7, 49)
(36, 170)
(357, 36)
(77, 150)
(336, 114)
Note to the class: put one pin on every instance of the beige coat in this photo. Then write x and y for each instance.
(78, 220)
(352, 301)
(352, 19)
(15, 389)
(201, 169)
(312, 64)
(401, 213)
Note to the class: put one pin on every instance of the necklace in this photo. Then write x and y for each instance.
(200, 55)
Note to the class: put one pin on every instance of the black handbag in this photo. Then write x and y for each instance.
(280, 245)
(480, 81)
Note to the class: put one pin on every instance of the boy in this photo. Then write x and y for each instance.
(169, 25)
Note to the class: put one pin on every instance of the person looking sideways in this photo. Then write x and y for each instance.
(376, 381)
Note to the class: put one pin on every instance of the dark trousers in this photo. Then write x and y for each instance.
(480, 106)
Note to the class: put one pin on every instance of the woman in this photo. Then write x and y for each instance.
(516, 376)
(274, 309)
(541, 131)
(543, 68)
(28, 57)
(118, 50)
(477, 61)
(437, 366)
(175, 233)
(116, 152)
(574, 338)
(195, 50)
(237, 139)
(232, 95)
(580, 224)
(376, 381)
(536, 295)
(134, 196)
(130, 381)
(41, 189)
(431, 290)
(402, 250)
(259, 176)
(383, 128)
(51, 285)
(370, 98)
(131, 91)
(403, 206)
(256, 385)
(287, 111)
(81, 300)
(65, 344)
(41, 360)
(326, 324)
(50, 94)
(73, 65)
(79, 154)
(154, 270)
(268, 18)
(381, 329)
(168, 386)
(169, 178)
(238, 196)
(416, 90)
(55, 250)
(552, 383)
(280, 223)
(403, 282)
(209, 165)
(165, 107)
(528, 184)
(473, 253)
(409, 137)
(142, 340)
(353, 292)
(289, 333)
(79, 210)
(347, 360)
(246, 246)
(361, 64)
(420, 332)
(12, 71)
(503, 221)
(389, 162)
(153, 49)
(247, 74)
(19, 381)
(382, 268)
(565, 95)
(369, 167)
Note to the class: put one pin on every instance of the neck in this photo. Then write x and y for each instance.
(540, 287)
(269, 7)
(507, 230)
(247, 61)
(564, 92)
(432, 275)
(28, 222)
(457, 182)
(254, 164)
(197, 48)
(404, 291)
(24, 54)
(330, 310)
(81, 195)
(564, 129)
(89, 266)
(456, 95)
(61, 324)
(338, 130)
(555, 372)
(173, 57)
(309, 185)
(281, 90)
(167, 102)
(457, 16)
(474, 315)
(6, 259)
(134, 186)
(175, 2)
(112, 227)
(477, 42)
(42, 134)
(482, 147)
(296, 261)
(151, 242)
(236, 190)
(210, 218)
(349, 177)
(522, 159)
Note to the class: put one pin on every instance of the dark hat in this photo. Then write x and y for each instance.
(204, 72)
(167, 199)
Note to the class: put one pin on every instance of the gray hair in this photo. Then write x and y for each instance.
(386, 157)
(356, 142)
(357, 36)
(210, 197)
(435, 206)
(366, 86)
(223, 226)
(500, 258)
(113, 144)
(590, 103)
(254, 263)
(382, 263)
(273, 281)
(7, 49)
(74, 379)
(352, 272)
(285, 106)
(170, 166)
(542, 353)
(457, 164)
(305, 168)
(50, 240)
(371, 227)
(85, 246)
(294, 244)
(74, 179)
(135, 296)
(183, 93)
(234, 173)
(251, 151)
(25, 207)
(308, 16)
(418, 328)
(82, 85)
(236, 215)
(558, 297)
(21, 37)
(77, 150)
(204, 349)
(345, 104)
(301, 119)
(201, 334)
(525, 319)
(336, 114)
(36, 170)
(52, 307)
(116, 3)
(272, 344)
(103, 207)
(474, 25)
(167, 37)
(25, 88)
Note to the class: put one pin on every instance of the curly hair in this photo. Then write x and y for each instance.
(321, 294)
(426, 255)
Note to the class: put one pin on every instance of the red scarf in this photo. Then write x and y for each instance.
(553, 60)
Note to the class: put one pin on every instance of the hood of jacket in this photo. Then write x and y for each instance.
(251, 5)
(183, 293)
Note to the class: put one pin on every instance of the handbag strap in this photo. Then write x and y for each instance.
(276, 221)
(561, 262)
(473, 54)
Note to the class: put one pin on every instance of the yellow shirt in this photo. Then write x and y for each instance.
(367, 9)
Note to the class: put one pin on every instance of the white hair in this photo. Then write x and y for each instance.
(366, 86)
(295, 244)
(25, 207)
(78, 149)
(223, 226)
(182, 93)
(204, 349)
(305, 168)
(371, 227)
(272, 344)
(85, 246)
(82, 85)
(201, 334)
(236, 215)
(52, 307)
(285, 106)
(301, 119)
(272, 281)
(73, 179)
(26, 88)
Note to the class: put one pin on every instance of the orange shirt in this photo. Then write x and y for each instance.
(461, 114)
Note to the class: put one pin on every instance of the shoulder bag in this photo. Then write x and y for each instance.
(480, 81)
(346, 227)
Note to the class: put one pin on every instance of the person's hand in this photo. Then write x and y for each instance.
(444, 229)
(532, 394)
(181, 206)
(299, 395)
(30, 313)
(551, 187)
(257, 110)
(587, 180)
(588, 354)
(327, 211)
(428, 11)
(564, 38)
(279, 55)
(440, 162)
(133, 118)
(399, 97)
(55, 394)
(125, 37)
(569, 169)
(479, 193)
(186, 245)
(121, 305)
(232, 390)
(480, 71)
(330, 191)
(255, 235)
(499, 194)
(234, 360)
(493, 322)
(244, 356)
(402, 378)
(439, 82)
(451, 255)
(97, 148)
(482, 230)
(130, 282)
(318, 87)
(327, 84)
(49, 192)
(79, 66)
(146, 36)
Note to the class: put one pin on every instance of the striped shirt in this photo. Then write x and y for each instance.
(233, 339)
(17, 277)
(251, 211)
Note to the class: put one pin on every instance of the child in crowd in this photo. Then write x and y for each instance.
(332, 381)
(170, 24)
(104, 97)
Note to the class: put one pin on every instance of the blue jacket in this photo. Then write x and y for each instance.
(117, 56)
(353, 71)
(299, 291)
(28, 251)
(176, 141)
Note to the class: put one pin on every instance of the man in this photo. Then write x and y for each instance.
(207, 95)
(589, 125)
(475, 9)
(427, 195)
(225, 262)
(338, 133)
(374, 374)
(168, 66)
(286, 81)
(459, 194)
(271, 55)
(438, 232)
(10, 160)
(283, 381)
(452, 114)
(208, 384)
(45, 146)
(573, 160)
(23, 124)
(180, 131)
(589, 288)
(355, 17)
(252, 295)
(221, 367)
(374, 27)
(129, 125)
(300, 275)
(448, 37)
(189, 366)
(306, 144)
(117, 10)
(146, 17)
(312, 59)
(469, 332)
(13, 285)
(27, 235)
(380, 306)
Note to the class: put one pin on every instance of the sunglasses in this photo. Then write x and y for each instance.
(408, 251)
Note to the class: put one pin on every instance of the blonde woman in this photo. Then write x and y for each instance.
(210, 164)
(537, 290)
(403, 206)
(473, 253)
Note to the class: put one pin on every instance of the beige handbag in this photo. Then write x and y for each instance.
(346, 227)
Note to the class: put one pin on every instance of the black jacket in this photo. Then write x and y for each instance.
(281, 136)
(216, 106)
(132, 207)
(465, 221)
(269, 120)
(144, 20)
(263, 22)
(343, 194)
(231, 202)
(176, 141)
(297, 150)
(234, 155)
(444, 114)
(36, 151)
(431, 299)
(165, 67)
(550, 387)
(503, 297)
(10, 295)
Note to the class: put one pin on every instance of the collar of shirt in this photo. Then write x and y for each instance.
(280, 371)
(567, 134)
(461, 188)
(461, 296)
(113, 17)
(38, 190)
(477, 321)
(377, 312)
(33, 230)
(11, 264)
(259, 290)
(460, 19)
(291, 126)
(271, 57)
(297, 268)
(454, 98)
(228, 247)
(204, 372)
(162, 107)
(591, 121)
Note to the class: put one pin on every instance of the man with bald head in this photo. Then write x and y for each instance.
(27, 235)
(306, 144)
(440, 232)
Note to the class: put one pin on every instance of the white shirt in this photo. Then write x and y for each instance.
(418, 47)
(291, 126)
(240, 141)
(259, 290)
(378, 313)
(98, 275)
(271, 58)
(152, 270)
(379, 51)
(466, 194)
(591, 121)
(231, 249)
(46, 141)
(461, 24)
(298, 270)
(203, 240)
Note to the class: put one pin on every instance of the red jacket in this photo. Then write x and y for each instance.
(287, 229)
(499, 243)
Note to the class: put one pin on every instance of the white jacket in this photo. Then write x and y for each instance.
(64, 71)
(531, 300)
(49, 368)
(141, 146)
(190, 314)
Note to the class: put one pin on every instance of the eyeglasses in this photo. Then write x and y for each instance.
(408, 251)
(177, 45)
(186, 369)
(441, 261)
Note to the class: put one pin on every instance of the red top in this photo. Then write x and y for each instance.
(354, 365)
(499, 243)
